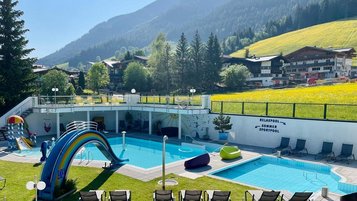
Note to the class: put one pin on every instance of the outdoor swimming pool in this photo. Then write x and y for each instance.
(285, 174)
(141, 153)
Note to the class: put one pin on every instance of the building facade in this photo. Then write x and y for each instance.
(116, 71)
(319, 63)
(265, 71)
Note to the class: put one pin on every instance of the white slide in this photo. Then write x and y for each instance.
(22, 144)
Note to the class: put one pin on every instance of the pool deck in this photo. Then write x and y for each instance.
(348, 171)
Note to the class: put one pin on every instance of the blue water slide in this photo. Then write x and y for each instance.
(55, 169)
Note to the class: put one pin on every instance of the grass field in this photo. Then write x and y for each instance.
(334, 34)
(309, 102)
(17, 174)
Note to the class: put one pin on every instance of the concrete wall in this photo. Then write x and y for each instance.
(267, 132)
(256, 131)
(37, 121)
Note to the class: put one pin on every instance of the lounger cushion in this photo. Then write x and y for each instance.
(221, 196)
(118, 196)
(163, 195)
(192, 195)
(88, 196)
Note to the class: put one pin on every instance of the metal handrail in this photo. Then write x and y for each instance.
(81, 125)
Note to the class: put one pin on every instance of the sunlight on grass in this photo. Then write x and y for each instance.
(340, 34)
(309, 102)
(96, 178)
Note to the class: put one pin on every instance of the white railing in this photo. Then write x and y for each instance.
(81, 125)
(26, 104)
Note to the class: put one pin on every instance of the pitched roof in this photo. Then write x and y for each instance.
(111, 63)
(261, 59)
(141, 57)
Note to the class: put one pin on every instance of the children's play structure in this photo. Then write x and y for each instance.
(55, 169)
(17, 138)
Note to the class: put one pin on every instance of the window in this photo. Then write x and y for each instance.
(316, 69)
(328, 68)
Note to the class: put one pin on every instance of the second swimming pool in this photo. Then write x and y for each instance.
(286, 174)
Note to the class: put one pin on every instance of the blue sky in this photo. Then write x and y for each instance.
(54, 23)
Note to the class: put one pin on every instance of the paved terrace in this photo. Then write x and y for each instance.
(348, 171)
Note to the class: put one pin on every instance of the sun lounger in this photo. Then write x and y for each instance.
(298, 196)
(217, 195)
(284, 145)
(120, 195)
(346, 153)
(92, 195)
(2, 179)
(326, 151)
(300, 147)
(190, 195)
(349, 197)
(259, 195)
(163, 195)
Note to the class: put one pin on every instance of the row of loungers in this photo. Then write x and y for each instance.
(326, 151)
(198, 195)
(158, 195)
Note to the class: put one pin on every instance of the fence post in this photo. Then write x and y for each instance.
(294, 106)
(242, 107)
(221, 107)
(173, 99)
(266, 109)
(159, 98)
(146, 98)
(325, 111)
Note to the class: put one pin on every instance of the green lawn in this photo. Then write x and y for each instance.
(17, 174)
(340, 100)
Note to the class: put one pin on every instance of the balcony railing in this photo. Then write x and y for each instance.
(80, 100)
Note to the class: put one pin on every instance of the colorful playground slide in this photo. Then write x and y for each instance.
(16, 126)
(55, 169)
(22, 143)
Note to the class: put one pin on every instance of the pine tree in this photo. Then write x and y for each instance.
(213, 63)
(196, 57)
(181, 63)
(81, 80)
(163, 72)
(16, 76)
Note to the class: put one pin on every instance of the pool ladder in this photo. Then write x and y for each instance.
(305, 174)
(88, 156)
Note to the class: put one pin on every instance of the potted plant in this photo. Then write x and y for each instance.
(222, 124)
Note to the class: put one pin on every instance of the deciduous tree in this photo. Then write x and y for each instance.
(135, 76)
(98, 77)
(54, 79)
(235, 76)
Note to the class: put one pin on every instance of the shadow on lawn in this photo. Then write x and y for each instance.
(95, 184)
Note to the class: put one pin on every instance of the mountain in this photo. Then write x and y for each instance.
(335, 34)
(171, 17)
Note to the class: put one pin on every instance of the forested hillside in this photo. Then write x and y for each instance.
(315, 13)
(335, 34)
(223, 18)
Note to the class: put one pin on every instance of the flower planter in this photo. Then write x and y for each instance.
(223, 135)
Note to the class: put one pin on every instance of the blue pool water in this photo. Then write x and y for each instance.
(285, 174)
(141, 153)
